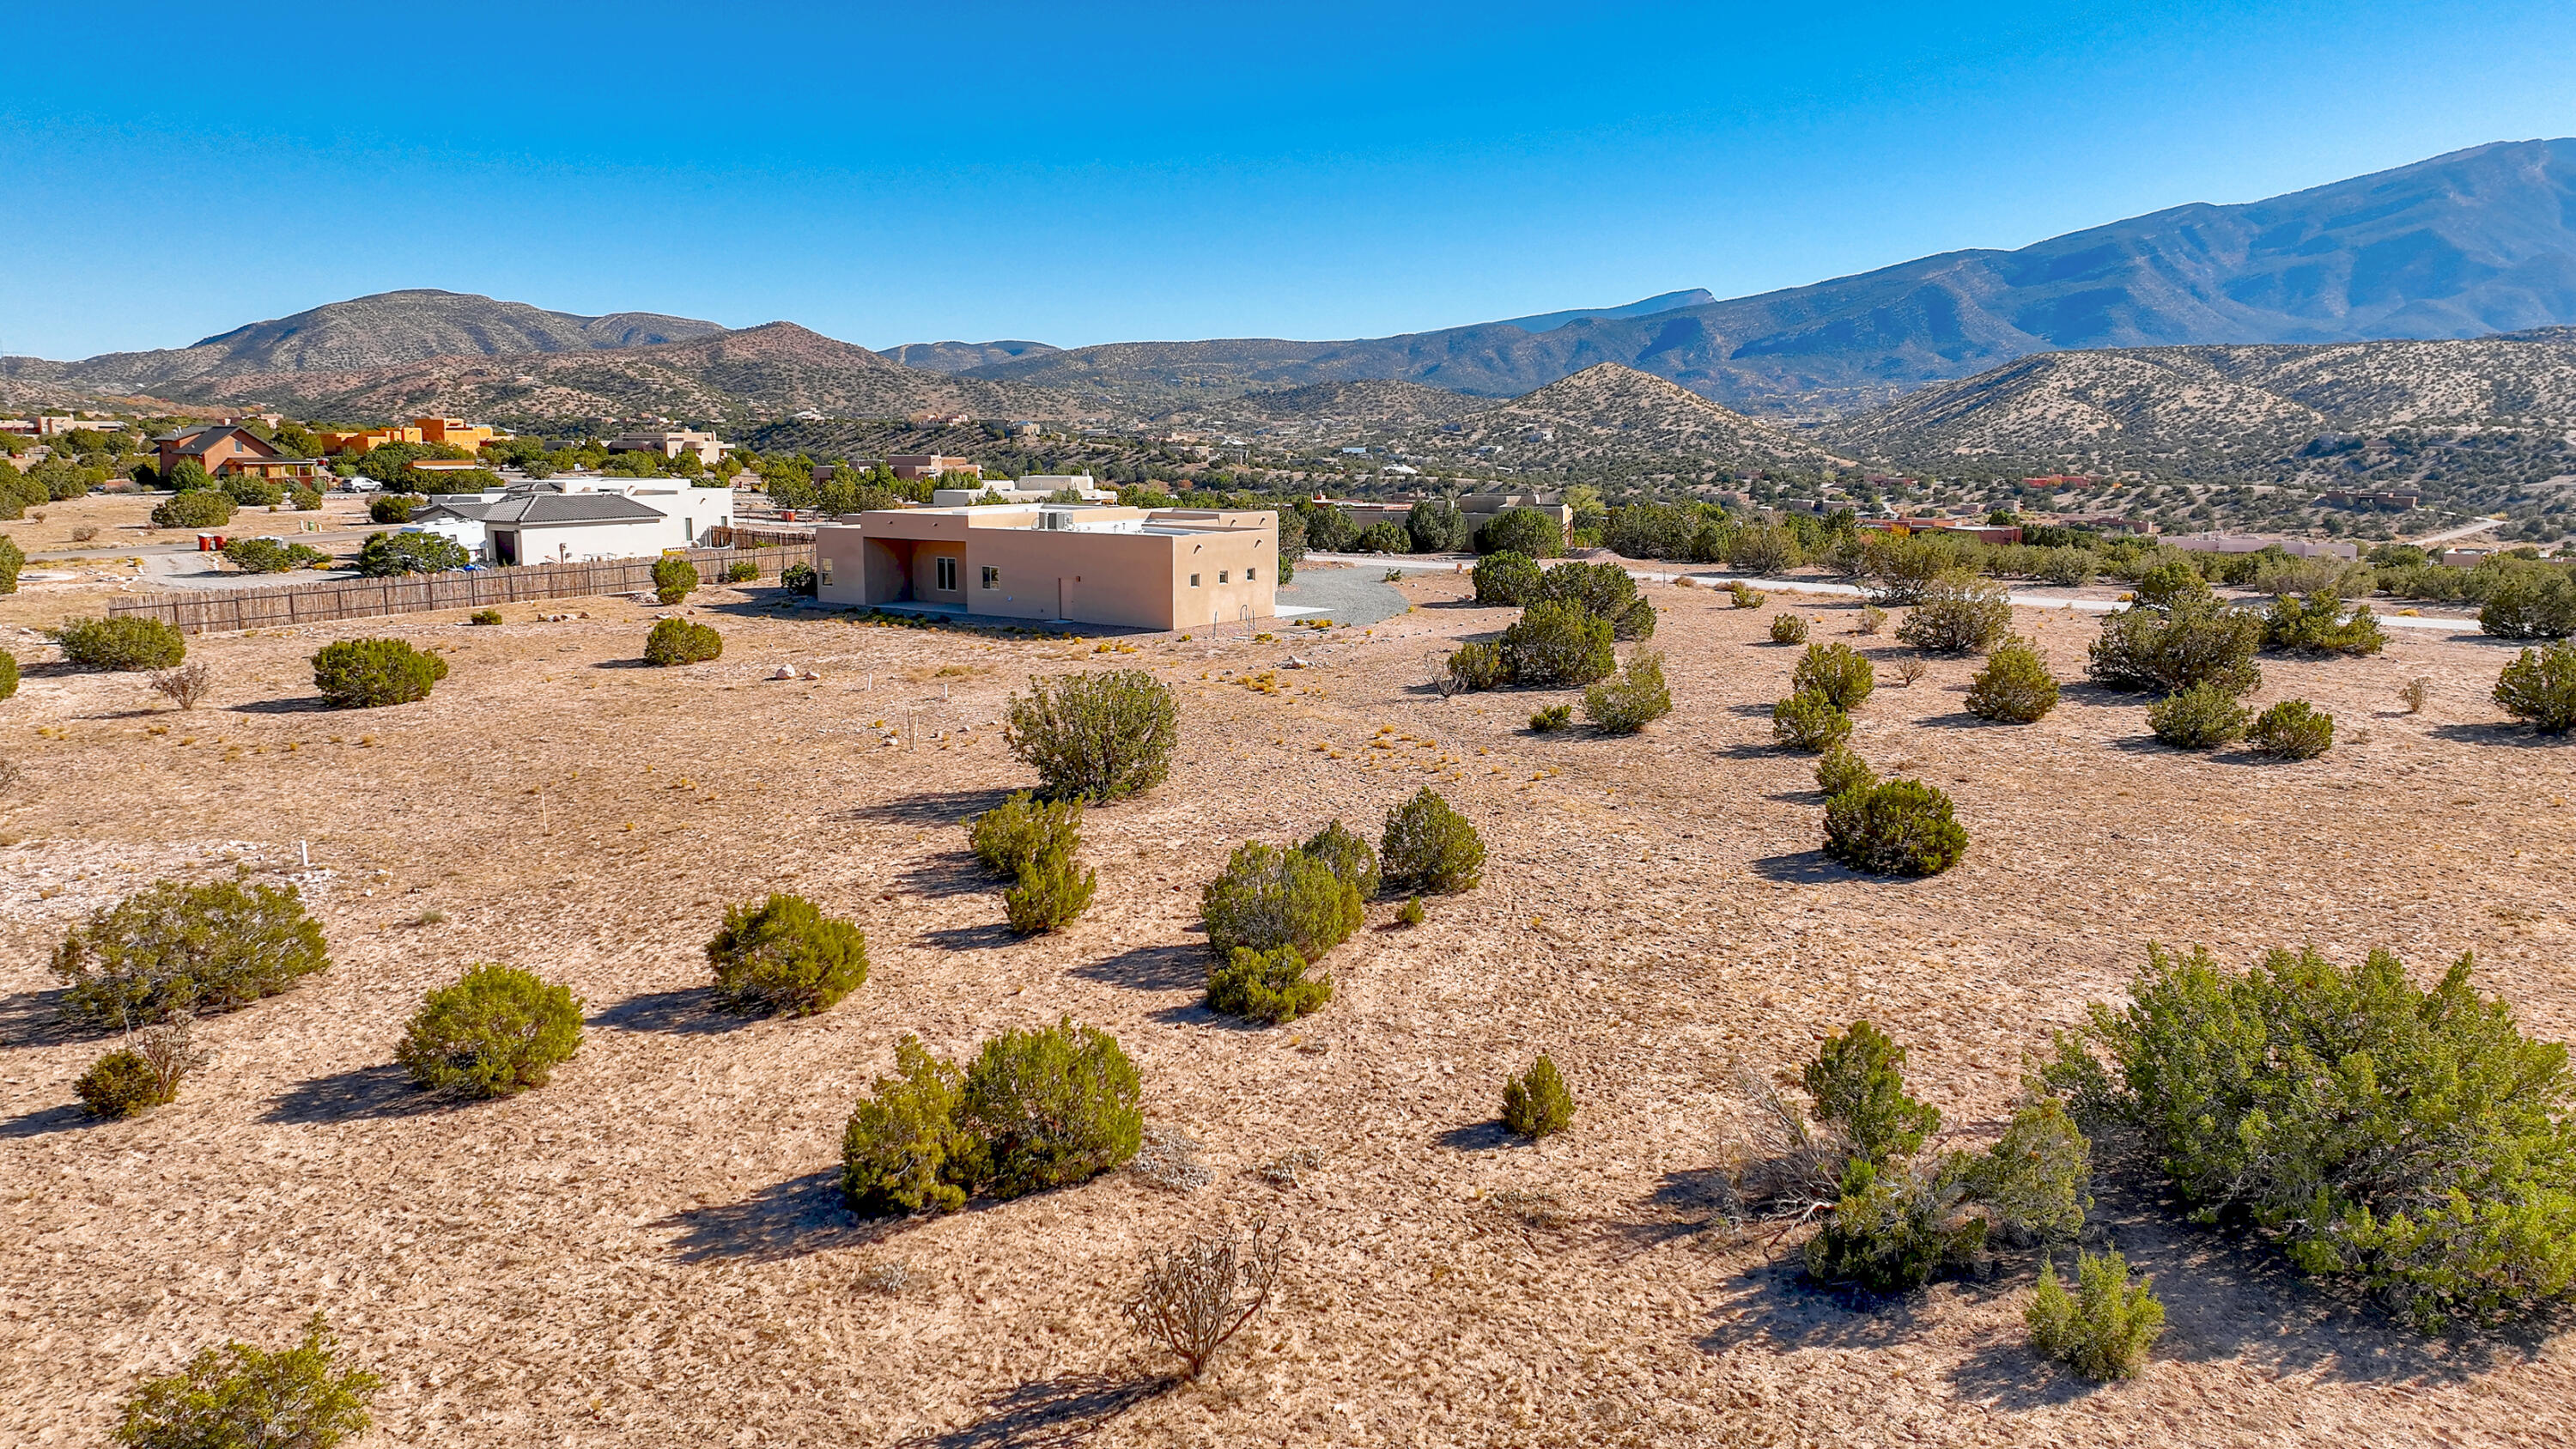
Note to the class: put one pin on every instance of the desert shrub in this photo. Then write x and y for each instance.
(2032, 1181)
(2415, 693)
(394, 507)
(800, 578)
(1602, 590)
(390, 555)
(1840, 769)
(252, 492)
(497, 1032)
(304, 500)
(196, 508)
(1506, 578)
(1049, 1107)
(2414, 1139)
(1957, 613)
(1387, 537)
(1198, 1296)
(745, 571)
(187, 474)
(2105, 1328)
(268, 556)
(1053, 891)
(2195, 641)
(1763, 548)
(241, 1397)
(1411, 912)
(1096, 736)
(902, 1151)
(1022, 828)
(1349, 856)
(1897, 827)
(1809, 721)
(1858, 1082)
(784, 957)
(2070, 568)
(121, 642)
(1651, 530)
(1839, 672)
(673, 579)
(1428, 848)
(1628, 701)
(1556, 645)
(1477, 666)
(1268, 898)
(1545, 721)
(2529, 603)
(175, 949)
(1894, 1228)
(142, 1074)
(1536, 1103)
(1788, 628)
(1903, 570)
(2319, 624)
(8, 674)
(2015, 687)
(1740, 595)
(1435, 525)
(1872, 619)
(484, 616)
(2202, 717)
(682, 641)
(371, 673)
(1269, 986)
(2292, 730)
(14, 559)
(1524, 531)
(2540, 686)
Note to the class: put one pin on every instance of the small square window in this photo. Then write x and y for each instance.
(1247, 576)
(1221, 573)
(827, 568)
(992, 577)
(1194, 581)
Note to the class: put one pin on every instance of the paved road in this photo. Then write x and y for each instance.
(1352, 597)
(2463, 531)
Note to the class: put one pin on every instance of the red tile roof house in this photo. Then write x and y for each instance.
(223, 450)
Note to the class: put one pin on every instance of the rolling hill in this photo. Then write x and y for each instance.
(1609, 420)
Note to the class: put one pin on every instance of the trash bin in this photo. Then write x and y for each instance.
(205, 543)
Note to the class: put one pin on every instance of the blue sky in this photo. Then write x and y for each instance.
(1084, 173)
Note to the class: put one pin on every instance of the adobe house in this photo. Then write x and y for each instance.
(223, 451)
(1170, 568)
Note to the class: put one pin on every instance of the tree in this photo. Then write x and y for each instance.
(388, 555)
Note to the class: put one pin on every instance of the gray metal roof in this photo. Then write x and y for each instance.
(571, 508)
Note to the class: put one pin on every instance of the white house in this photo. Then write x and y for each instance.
(578, 518)
(1035, 488)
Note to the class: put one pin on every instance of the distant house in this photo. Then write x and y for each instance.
(453, 432)
(226, 451)
(1996, 534)
(1165, 569)
(2256, 543)
(929, 465)
(576, 519)
(1035, 488)
(670, 443)
(50, 425)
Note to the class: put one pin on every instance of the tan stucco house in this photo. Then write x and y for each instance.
(1168, 568)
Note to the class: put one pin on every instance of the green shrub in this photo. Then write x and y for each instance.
(120, 1085)
(371, 673)
(2416, 1140)
(2540, 686)
(187, 474)
(682, 641)
(1558, 645)
(1506, 578)
(1545, 721)
(1476, 666)
(2015, 687)
(1872, 619)
(2318, 624)
(1894, 1228)
(2032, 1181)
(252, 492)
(1903, 570)
(1524, 531)
(1096, 736)
(1840, 769)
(1411, 912)
(1052, 892)
(8, 674)
(1628, 701)
(394, 507)
(1957, 613)
(497, 1032)
(175, 949)
(1766, 549)
(1047, 1108)
(240, 1397)
(12, 560)
(799, 578)
(1269, 986)
(2171, 583)
(304, 500)
(1349, 856)
(745, 571)
(2068, 568)
(2196, 641)
(1897, 827)
(2530, 603)
(2104, 1330)
(1809, 722)
(1435, 525)
(1537, 1104)
(2292, 730)
(1268, 898)
(673, 579)
(784, 957)
(902, 1151)
(1009, 836)
(1428, 848)
(1383, 537)
(1838, 672)
(484, 616)
(268, 556)
(1788, 628)
(1741, 595)
(2202, 717)
(196, 508)
(121, 642)
(1602, 590)
(1858, 1082)
(391, 555)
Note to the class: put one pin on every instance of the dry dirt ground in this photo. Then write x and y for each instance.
(649, 1250)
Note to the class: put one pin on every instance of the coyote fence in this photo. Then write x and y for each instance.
(217, 611)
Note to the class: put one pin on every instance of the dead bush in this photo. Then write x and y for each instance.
(1202, 1293)
(1169, 1159)
(186, 686)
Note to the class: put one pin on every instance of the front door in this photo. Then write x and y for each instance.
(1064, 598)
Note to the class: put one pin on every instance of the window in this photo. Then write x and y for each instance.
(992, 577)
(1221, 573)
(827, 568)
(1247, 576)
(944, 573)
(1194, 581)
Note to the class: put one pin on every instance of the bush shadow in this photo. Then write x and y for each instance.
(1750, 711)
(1486, 1136)
(783, 1220)
(1805, 867)
(690, 1012)
(62, 1117)
(1052, 1413)
(935, 807)
(982, 936)
(1774, 1303)
(308, 704)
(2519, 736)
(2006, 1375)
(35, 1018)
(949, 873)
(1150, 968)
(631, 664)
(359, 1094)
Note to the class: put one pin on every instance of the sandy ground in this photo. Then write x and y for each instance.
(648, 1250)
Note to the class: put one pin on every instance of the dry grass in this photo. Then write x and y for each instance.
(648, 1250)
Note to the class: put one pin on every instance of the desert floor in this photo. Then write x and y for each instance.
(649, 1250)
